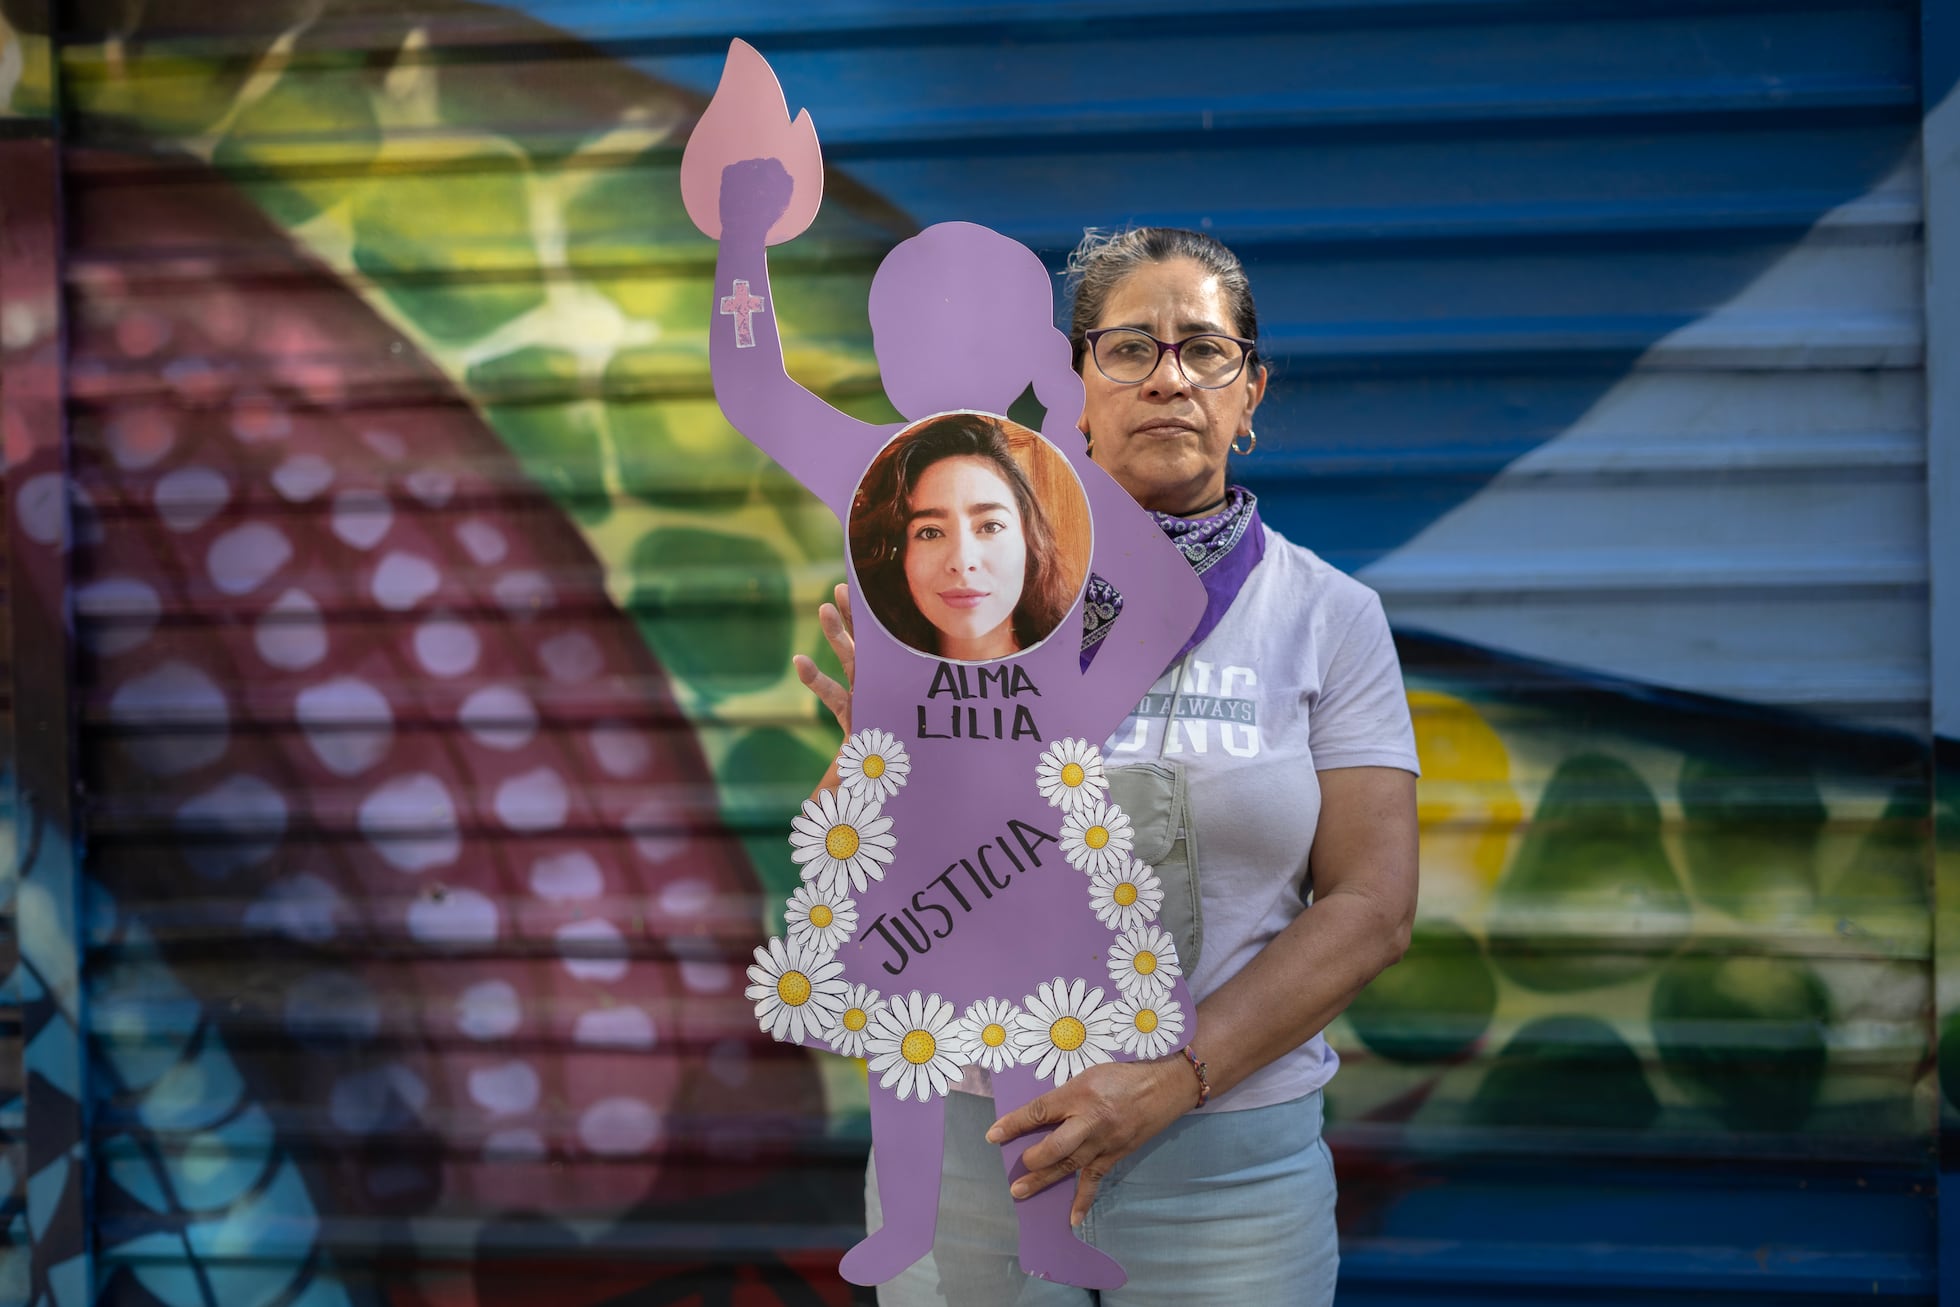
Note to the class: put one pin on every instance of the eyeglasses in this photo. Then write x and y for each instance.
(1126, 356)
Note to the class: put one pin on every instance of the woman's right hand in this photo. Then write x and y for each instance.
(835, 618)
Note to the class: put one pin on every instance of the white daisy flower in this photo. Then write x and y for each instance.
(1126, 898)
(1071, 775)
(911, 1041)
(841, 842)
(986, 1033)
(822, 920)
(1064, 1028)
(873, 765)
(1097, 837)
(1147, 1027)
(797, 991)
(846, 1034)
(1143, 963)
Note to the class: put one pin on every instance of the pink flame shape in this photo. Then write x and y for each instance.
(749, 119)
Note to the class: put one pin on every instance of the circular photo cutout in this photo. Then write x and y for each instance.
(970, 537)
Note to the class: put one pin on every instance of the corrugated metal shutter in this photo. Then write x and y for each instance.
(438, 742)
(399, 722)
(13, 1074)
(1597, 340)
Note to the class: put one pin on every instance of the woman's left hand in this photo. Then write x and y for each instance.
(835, 619)
(1100, 1117)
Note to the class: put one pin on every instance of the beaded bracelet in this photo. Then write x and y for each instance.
(1204, 1082)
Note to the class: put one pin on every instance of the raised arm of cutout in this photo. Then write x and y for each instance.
(751, 178)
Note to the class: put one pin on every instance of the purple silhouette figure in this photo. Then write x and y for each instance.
(979, 901)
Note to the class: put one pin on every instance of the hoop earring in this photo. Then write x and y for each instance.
(1251, 442)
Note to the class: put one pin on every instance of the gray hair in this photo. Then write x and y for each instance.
(1105, 259)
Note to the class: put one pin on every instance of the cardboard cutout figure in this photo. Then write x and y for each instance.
(969, 897)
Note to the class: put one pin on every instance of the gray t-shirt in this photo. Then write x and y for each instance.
(1300, 677)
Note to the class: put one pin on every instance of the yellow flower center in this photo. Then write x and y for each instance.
(1144, 963)
(918, 1048)
(793, 988)
(1095, 837)
(873, 766)
(1067, 1034)
(1124, 894)
(994, 1035)
(841, 843)
(854, 1018)
(821, 916)
(1073, 775)
(1146, 1021)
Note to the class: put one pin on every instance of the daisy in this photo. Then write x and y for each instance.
(1097, 837)
(1070, 775)
(797, 991)
(1147, 1027)
(1125, 899)
(846, 1034)
(911, 1040)
(841, 842)
(985, 1034)
(1143, 963)
(1065, 1028)
(873, 765)
(823, 921)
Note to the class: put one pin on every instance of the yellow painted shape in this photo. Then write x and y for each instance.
(1465, 801)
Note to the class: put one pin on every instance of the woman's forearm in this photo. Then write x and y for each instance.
(1304, 978)
(1364, 871)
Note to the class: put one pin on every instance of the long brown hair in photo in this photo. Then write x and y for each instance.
(1054, 517)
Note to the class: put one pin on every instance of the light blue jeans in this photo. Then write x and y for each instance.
(1232, 1207)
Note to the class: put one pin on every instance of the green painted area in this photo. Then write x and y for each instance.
(813, 528)
(167, 92)
(1750, 833)
(1893, 868)
(1566, 1072)
(297, 148)
(527, 397)
(1433, 1005)
(679, 452)
(1949, 1039)
(765, 777)
(628, 236)
(715, 609)
(463, 277)
(1946, 876)
(1744, 1035)
(1591, 898)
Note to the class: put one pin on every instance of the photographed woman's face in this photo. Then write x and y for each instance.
(966, 557)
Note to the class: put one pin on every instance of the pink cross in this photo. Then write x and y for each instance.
(743, 307)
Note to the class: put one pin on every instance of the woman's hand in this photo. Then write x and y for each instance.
(1364, 869)
(835, 618)
(1100, 1117)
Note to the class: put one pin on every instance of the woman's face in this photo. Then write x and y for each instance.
(1164, 439)
(966, 558)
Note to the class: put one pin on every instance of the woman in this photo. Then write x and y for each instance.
(1207, 1175)
(954, 551)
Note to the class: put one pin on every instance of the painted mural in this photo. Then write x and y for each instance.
(437, 729)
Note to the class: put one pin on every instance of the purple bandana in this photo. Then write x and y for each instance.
(1222, 549)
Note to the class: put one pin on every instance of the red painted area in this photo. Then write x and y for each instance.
(362, 721)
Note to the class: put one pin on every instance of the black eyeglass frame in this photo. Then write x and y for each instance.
(1175, 348)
